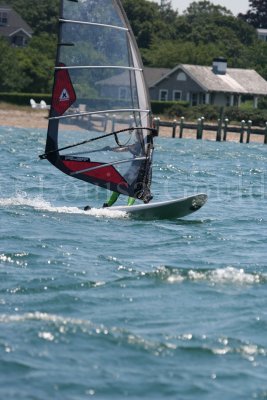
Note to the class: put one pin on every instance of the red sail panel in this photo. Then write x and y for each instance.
(106, 174)
(63, 94)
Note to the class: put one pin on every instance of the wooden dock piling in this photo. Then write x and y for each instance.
(221, 129)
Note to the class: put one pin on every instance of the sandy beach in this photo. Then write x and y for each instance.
(26, 117)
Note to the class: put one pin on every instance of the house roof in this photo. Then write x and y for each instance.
(116, 80)
(235, 80)
(153, 75)
(14, 23)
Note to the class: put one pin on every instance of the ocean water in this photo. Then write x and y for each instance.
(97, 305)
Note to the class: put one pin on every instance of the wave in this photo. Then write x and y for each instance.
(172, 275)
(163, 274)
(40, 316)
(227, 275)
(55, 326)
(40, 204)
(14, 258)
(223, 275)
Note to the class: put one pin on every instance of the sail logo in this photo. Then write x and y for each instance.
(64, 95)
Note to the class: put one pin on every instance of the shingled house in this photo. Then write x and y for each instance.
(13, 27)
(217, 84)
(262, 34)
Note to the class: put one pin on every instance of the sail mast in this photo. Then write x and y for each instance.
(100, 100)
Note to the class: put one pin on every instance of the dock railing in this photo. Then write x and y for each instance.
(221, 129)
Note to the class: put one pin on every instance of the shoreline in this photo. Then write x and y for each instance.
(26, 117)
(23, 118)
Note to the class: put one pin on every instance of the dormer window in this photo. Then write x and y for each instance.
(19, 40)
(181, 76)
(13, 28)
(3, 18)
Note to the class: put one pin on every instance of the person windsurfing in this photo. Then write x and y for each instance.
(136, 150)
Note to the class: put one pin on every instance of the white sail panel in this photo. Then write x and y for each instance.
(99, 88)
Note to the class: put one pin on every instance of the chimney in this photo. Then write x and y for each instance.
(219, 66)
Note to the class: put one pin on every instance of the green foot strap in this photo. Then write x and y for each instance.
(113, 198)
(131, 201)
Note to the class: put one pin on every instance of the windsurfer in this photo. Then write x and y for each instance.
(136, 150)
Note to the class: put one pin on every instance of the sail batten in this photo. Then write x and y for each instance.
(84, 114)
(98, 66)
(93, 24)
(107, 165)
(100, 100)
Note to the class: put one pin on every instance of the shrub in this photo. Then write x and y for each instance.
(171, 108)
(23, 99)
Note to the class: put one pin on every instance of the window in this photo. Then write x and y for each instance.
(3, 18)
(163, 95)
(123, 93)
(181, 76)
(194, 99)
(177, 95)
(202, 98)
(19, 40)
(134, 94)
(126, 94)
(263, 36)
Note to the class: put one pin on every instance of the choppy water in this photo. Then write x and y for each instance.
(100, 306)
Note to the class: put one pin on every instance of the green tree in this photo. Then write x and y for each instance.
(204, 8)
(203, 32)
(257, 14)
(27, 69)
(165, 38)
(41, 15)
(256, 57)
(37, 62)
(11, 78)
(149, 21)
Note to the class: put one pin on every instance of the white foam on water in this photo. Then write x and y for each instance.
(225, 275)
(5, 258)
(39, 203)
(175, 279)
(40, 316)
(228, 275)
(233, 275)
(17, 258)
(106, 212)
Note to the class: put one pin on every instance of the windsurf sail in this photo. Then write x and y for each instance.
(99, 127)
